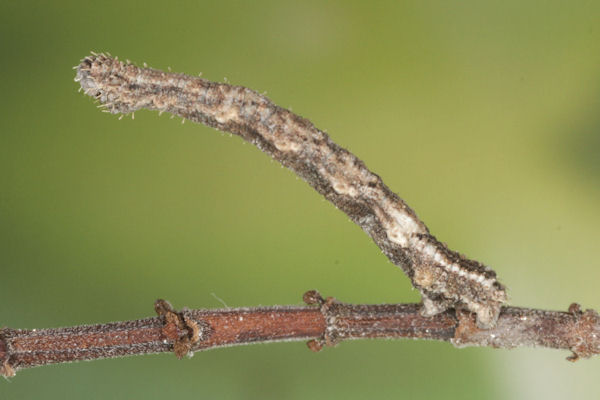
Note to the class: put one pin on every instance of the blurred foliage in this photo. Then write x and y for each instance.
(482, 115)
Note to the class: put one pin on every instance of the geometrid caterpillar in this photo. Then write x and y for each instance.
(445, 278)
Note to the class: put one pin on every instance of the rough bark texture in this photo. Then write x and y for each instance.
(324, 322)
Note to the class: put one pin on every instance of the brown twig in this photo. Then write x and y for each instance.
(325, 322)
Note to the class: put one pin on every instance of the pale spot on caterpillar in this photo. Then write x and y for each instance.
(287, 146)
(424, 276)
(226, 116)
(343, 188)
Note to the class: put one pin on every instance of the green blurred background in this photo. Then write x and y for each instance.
(482, 115)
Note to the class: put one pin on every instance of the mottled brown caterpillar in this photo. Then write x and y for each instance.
(444, 277)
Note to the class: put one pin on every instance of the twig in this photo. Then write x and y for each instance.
(325, 322)
(444, 277)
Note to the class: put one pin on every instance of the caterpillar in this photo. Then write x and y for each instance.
(445, 278)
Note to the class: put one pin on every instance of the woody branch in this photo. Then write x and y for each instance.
(324, 322)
